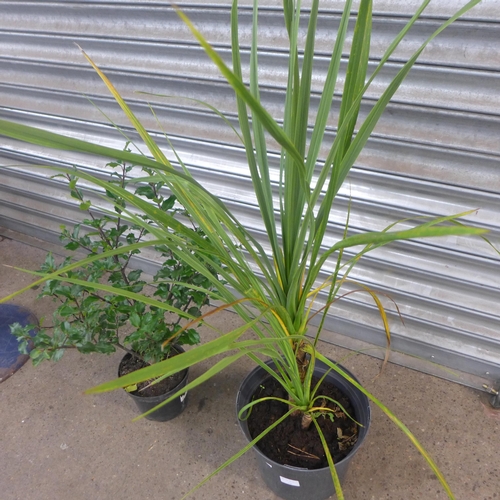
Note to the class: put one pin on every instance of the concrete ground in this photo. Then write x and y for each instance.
(57, 443)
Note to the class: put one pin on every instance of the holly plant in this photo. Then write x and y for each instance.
(95, 321)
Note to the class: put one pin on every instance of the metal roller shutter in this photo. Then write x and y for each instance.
(435, 151)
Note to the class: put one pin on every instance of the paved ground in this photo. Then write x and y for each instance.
(58, 444)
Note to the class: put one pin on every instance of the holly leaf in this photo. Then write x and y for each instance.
(135, 320)
(146, 191)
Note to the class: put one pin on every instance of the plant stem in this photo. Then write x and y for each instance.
(132, 353)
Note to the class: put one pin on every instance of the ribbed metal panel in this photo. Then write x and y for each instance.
(435, 151)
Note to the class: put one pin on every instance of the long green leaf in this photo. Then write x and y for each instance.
(203, 103)
(355, 77)
(267, 120)
(240, 453)
(394, 419)
(75, 265)
(53, 140)
(371, 120)
(177, 363)
(333, 470)
(382, 238)
(256, 156)
(119, 291)
(325, 103)
(150, 143)
(214, 370)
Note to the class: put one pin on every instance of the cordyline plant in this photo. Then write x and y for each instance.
(274, 292)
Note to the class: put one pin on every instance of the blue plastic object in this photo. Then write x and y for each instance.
(10, 357)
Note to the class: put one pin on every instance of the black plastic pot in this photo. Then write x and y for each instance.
(294, 483)
(166, 412)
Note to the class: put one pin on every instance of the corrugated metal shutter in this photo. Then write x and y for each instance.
(435, 151)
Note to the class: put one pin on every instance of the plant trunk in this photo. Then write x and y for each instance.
(302, 364)
(306, 421)
(302, 361)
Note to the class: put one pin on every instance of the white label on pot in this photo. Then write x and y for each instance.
(269, 465)
(183, 397)
(291, 482)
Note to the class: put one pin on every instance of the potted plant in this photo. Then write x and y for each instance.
(103, 322)
(276, 289)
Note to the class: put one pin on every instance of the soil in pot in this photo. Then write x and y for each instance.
(288, 443)
(131, 364)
